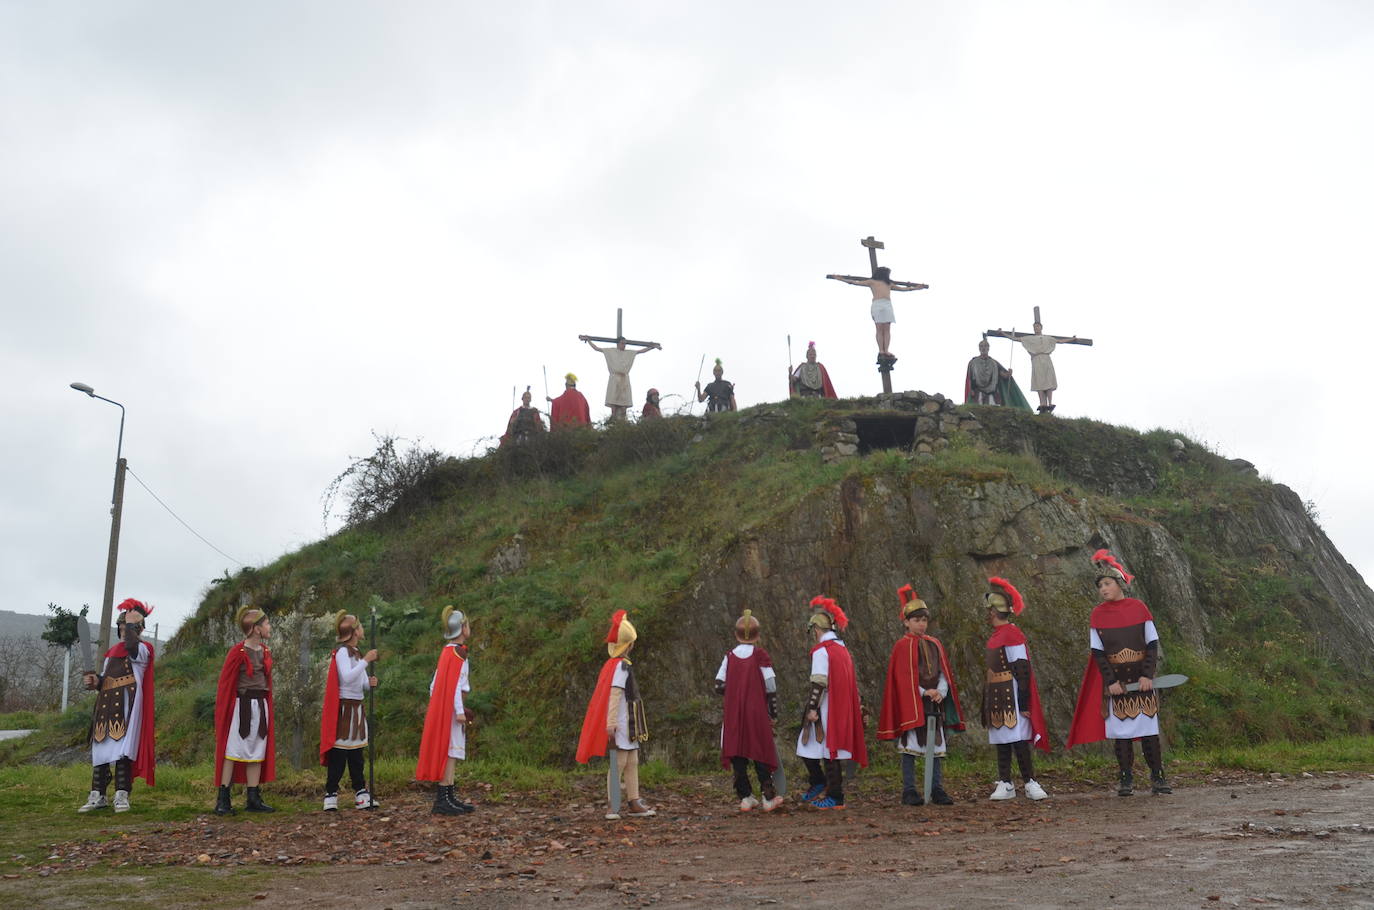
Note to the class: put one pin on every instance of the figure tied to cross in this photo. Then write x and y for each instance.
(619, 397)
(1040, 346)
(882, 285)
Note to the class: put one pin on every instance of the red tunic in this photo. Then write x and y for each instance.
(747, 730)
(434, 740)
(1004, 637)
(236, 662)
(844, 724)
(1089, 725)
(903, 708)
(593, 738)
(570, 409)
(145, 762)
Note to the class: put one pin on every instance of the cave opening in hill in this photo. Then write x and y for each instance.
(888, 431)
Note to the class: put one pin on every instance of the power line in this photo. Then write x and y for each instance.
(178, 517)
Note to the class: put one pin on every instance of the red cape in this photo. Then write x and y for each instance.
(844, 724)
(434, 740)
(570, 409)
(145, 762)
(903, 708)
(225, 718)
(1004, 637)
(746, 728)
(827, 390)
(329, 711)
(1089, 725)
(593, 738)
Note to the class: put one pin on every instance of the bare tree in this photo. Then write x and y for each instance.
(374, 484)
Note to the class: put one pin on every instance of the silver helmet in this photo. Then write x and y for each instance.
(454, 620)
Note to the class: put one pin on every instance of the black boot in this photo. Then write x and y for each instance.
(255, 803)
(457, 803)
(911, 797)
(1158, 785)
(1126, 785)
(442, 806)
(938, 797)
(223, 803)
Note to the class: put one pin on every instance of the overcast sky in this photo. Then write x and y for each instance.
(271, 228)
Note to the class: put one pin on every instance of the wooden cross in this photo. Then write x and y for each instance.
(873, 247)
(1017, 336)
(619, 335)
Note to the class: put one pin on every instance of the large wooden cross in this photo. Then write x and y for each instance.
(873, 246)
(1017, 336)
(619, 334)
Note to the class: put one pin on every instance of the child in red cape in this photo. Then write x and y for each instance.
(1011, 699)
(750, 687)
(832, 721)
(245, 735)
(343, 721)
(615, 719)
(919, 686)
(444, 741)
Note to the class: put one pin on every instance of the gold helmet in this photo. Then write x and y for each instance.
(621, 635)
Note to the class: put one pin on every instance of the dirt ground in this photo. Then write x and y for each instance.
(1291, 842)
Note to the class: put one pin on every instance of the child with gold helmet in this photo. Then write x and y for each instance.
(343, 722)
(750, 687)
(832, 719)
(245, 728)
(615, 722)
(919, 687)
(1011, 699)
(1125, 652)
(443, 742)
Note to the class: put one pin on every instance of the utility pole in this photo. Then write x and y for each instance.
(116, 512)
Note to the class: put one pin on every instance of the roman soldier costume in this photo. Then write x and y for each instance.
(811, 379)
(1012, 713)
(122, 726)
(918, 665)
(747, 681)
(570, 409)
(245, 731)
(1125, 652)
(836, 731)
(615, 720)
(343, 721)
(444, 741)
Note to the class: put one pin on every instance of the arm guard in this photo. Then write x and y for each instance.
(1151, 660)
(720, 687)
(1104, 667)
(772, 705)
(1020, 671)
(813, 701)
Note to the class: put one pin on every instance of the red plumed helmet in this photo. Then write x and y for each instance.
(614, 634)
(1009, 590)
(130, 604)
(1104, 561)
(829, 607)
(907, 593)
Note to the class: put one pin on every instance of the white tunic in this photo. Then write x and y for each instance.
(622, 719)
(352, 684)
(820, 666)
(102, 753)
(1131, 727)
(619, 362)
(457, 733)
(1040, 347)
(1022, 730)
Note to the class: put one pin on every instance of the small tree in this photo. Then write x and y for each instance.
(374, 484)
(63, 632)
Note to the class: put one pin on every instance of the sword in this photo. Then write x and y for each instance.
(83, 635)
(930, 757)
(613, 777)
(1167, 681)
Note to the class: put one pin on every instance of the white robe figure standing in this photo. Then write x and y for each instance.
(619, 361)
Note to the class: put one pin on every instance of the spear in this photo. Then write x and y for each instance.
(694, 396)
(371, 721)
(789, 364)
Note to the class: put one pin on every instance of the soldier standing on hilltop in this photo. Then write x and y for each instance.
(569, 409)
(720, 392)
(1117, 700)
(810, 379)
(122, 726)
(524, 421)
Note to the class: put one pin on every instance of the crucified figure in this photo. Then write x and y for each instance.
(1040, 346)
(882, 286)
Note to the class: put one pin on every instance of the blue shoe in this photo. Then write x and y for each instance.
(814, 793)
(827, 803)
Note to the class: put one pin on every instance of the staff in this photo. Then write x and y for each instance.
(371, 722)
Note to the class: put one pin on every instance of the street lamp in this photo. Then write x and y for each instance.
(116, 510)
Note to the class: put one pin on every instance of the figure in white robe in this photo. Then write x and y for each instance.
(619, 361)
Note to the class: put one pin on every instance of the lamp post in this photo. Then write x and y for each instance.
(116, 510)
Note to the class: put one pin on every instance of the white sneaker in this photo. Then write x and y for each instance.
(95, 801)
(121, 801)
(363, 800)
(1004, 790)
(1034, 790)
(331, 803)
(612, 816)
(770, 804)
(748, 803)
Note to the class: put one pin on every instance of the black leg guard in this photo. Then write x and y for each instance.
(740, 766)
(1155, 759)
(100, 778)
(1023, 760)
(834, 780)
(1004, 762)
(765, 780)
(815, 772)
(124, 774)
(1125, 759)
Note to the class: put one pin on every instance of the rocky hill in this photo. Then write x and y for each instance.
(685, 522)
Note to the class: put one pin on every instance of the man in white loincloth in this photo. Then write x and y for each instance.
(882, 287)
